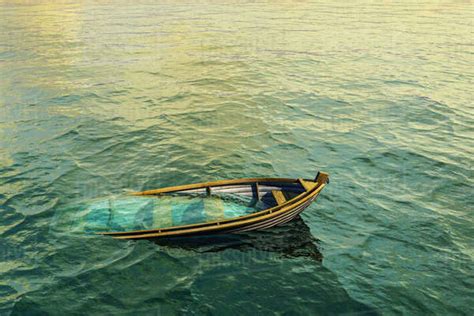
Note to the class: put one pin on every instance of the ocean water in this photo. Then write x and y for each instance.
(98, 98)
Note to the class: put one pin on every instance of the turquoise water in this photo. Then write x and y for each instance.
(128, 213)
(99, 98)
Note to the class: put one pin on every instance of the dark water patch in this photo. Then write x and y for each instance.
(65, 99)
(108, 282)
(157, 74)
(11, 218)
(212, 83)
(404, 82)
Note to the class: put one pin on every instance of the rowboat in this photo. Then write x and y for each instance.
(218, 207)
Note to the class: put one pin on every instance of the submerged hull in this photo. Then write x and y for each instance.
(283, 198)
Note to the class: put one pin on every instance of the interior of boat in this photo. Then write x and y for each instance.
(180, 205)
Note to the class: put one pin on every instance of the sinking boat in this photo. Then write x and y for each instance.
(225, 206)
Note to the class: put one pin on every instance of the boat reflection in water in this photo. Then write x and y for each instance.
(293, 239)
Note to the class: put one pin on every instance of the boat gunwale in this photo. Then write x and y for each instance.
(217, 225)
(218, 183)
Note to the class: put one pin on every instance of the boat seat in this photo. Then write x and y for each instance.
(307, 185)
(279, 197)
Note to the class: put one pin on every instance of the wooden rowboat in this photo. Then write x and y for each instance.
(279, 201)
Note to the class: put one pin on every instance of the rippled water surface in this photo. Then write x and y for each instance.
(100, 98)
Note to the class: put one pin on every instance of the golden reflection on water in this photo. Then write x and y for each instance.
(223, 70)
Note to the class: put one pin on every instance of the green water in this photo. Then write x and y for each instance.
(99, 98)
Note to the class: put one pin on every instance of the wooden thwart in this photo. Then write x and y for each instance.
(256, 191)
(306, 184)
(279, 197)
